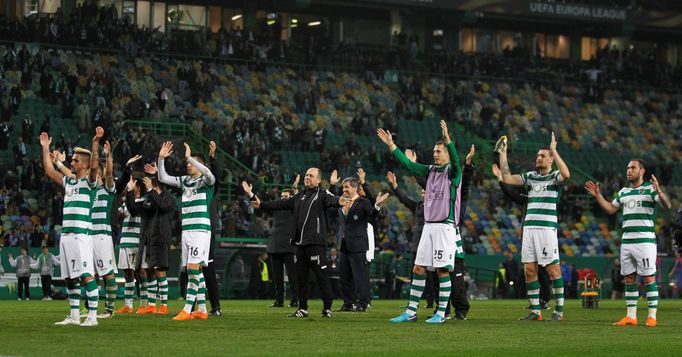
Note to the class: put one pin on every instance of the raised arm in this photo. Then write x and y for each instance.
(507, 176)
(402, 196)
(134, 208)
(127, 173)
(561, 165)
(215, 168)
(109, 168)
(510, 191)
(57, 159)
(456, 170)
(467, 174)
(415, 168)
(365, 186)
(166, 150)
(94, 156)
(594, 190)
(50, 172)
(205, 171)
(664, 201)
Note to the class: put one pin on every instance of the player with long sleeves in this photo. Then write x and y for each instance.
(197, 192)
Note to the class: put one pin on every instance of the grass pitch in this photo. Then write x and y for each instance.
(252, 328)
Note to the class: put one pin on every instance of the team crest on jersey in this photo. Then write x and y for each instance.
(303, 198)
(355, 217)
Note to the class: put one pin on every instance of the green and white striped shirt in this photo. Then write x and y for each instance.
(130, 232)
(639, 213)
(196, 195)
(196, 199)
(78, 197)
(101, 211)
(544, 192)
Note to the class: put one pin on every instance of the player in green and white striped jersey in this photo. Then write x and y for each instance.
(197, 192)
(638, 245)
(129, 244)
(100, 231)
(75, 248)
(540, 244)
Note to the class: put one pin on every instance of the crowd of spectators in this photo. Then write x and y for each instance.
(256, 113)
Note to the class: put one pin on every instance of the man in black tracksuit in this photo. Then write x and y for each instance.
(310, 212)
(281, 252)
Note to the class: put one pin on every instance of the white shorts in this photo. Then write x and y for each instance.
(75, 255)
(103, 255)
(437, 247)
(195, 247)
(127, 258)
(638, 257)
(540, 245)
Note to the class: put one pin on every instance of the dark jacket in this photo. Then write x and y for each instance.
(281, 233)
(515, 193)
(467, 175)
(417, 209)
(213, 206)
(157, 224)
(309, 209)
(353, 226)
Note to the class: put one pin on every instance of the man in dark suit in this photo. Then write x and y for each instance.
(353, 244)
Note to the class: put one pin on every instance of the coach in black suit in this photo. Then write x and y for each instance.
(353, 245)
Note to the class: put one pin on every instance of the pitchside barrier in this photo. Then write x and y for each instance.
(235, 261)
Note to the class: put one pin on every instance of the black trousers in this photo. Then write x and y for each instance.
(210, 278)
(545, 282)
(431, 288)
(23, 289)
(354, 278)
(458, 296)
(46, 283)
(312, 257)
(278, 262)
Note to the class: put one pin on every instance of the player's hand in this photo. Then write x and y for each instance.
(361, 176)
(107, 148)
(150, 169)
(296, 181)
(211, 149)
(344, 201)
(45, 140)
(497, 172)
(654, 183)
(59, 155)
(385, 137)
(382, 198)
(188, 151)
(334, 179)
(248, 188)
(470, 155)
(99, 133)
(592, 188)
(411, 155)
(131, 184)
(444, 131)
(147, 183)
(552, 144)
(133, 159)
(390, 176)
(166, 150)
(255, 203)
